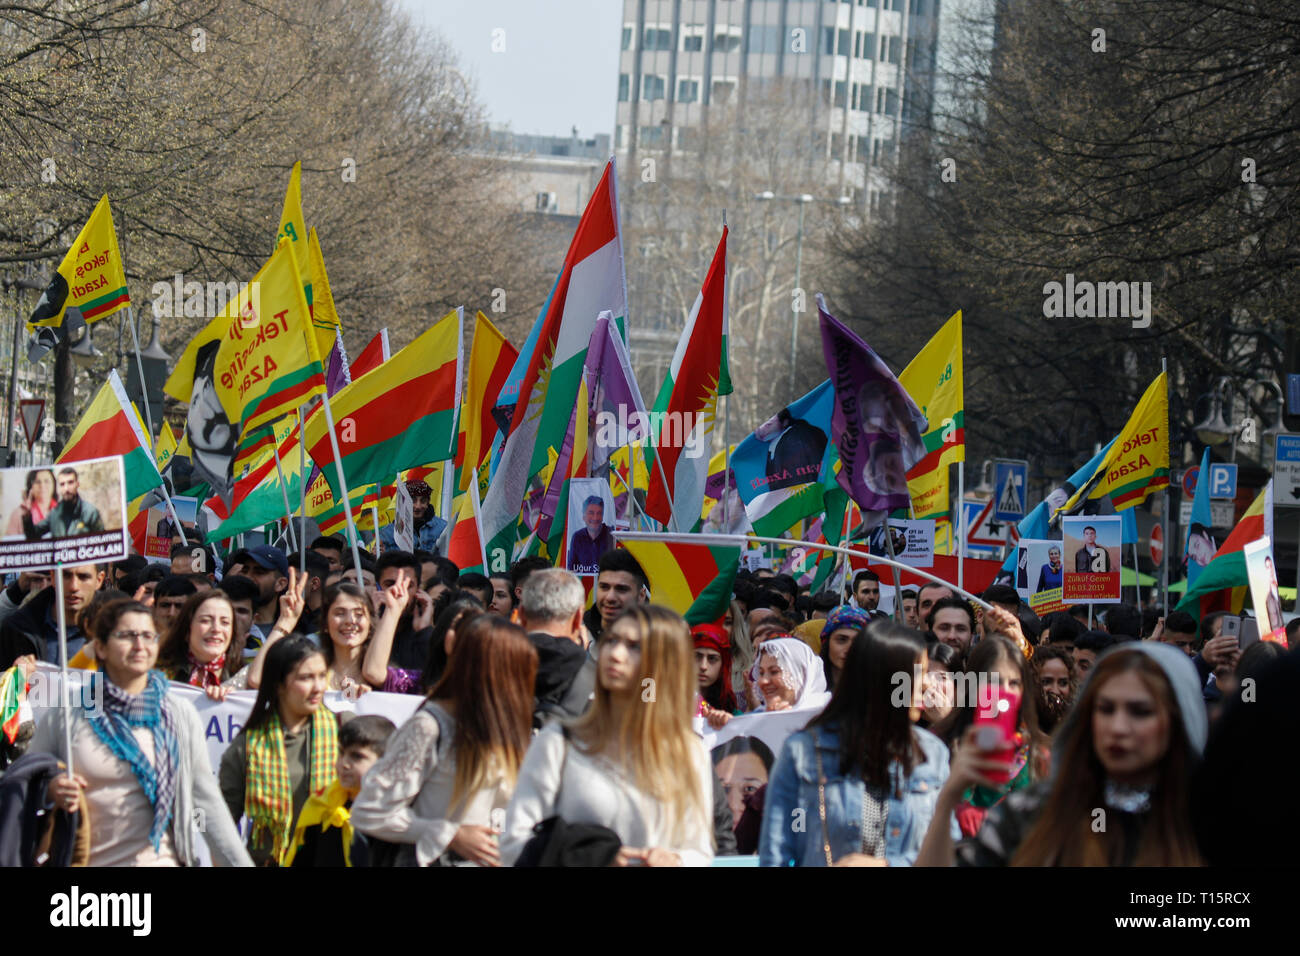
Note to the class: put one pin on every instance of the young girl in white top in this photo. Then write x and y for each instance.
(442, 786)
(632, 763)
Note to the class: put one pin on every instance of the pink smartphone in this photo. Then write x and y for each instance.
(996, 732)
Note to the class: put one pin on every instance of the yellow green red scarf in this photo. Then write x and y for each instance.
(268, 793)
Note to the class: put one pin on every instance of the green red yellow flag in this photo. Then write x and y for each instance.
(398, 416)
(293, 226)
(1223, 583)
(490, 359)
(111, 426)
(695, 580)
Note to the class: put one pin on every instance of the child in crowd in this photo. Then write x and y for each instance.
(324, 835)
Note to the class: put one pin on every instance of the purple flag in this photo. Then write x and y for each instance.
(337, 373)
(614, 403)
(876, 426)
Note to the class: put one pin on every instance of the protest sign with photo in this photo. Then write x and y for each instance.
(913, 542)
(161, 533)
(1039, 567)
(70, 513)
(1262, 572)
(591, 523)
(1091, 552)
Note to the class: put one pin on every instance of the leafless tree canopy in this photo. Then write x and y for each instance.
(1169, 157)
(190, 115)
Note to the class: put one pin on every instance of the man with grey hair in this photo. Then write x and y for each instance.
(550, 610)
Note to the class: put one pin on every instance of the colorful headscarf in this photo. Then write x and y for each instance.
(714, 638)
(114, 723)
(846, 615)
(268, 793)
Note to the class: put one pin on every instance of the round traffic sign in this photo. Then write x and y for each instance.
(1157, 545)
(1189, 479)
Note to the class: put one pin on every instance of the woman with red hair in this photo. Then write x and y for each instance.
(713, 670)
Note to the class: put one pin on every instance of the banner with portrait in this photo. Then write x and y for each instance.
(66, 514)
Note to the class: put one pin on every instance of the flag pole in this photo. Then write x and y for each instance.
(726, 460)
(343, 483)
(374, 519)
(898, 583)
(302, 469)
(1137, 583)
(139, 367)
(284, 489)
(65, 703)
(961, 523)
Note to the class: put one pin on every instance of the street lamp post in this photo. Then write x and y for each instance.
(803, 199)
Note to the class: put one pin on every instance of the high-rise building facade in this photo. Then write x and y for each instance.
(870, 64)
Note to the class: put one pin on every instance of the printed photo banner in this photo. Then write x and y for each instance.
(82, 521)
(1091, 549)
(1262, 574)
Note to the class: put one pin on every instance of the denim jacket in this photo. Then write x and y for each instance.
(792, 828)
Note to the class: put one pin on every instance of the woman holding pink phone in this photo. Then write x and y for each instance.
(1121, 772)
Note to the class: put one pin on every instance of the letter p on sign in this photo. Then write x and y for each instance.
(1223, 480)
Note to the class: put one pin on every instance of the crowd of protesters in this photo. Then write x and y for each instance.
(560, 730)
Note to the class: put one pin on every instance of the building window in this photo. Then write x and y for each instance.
(726, 42)
(652, 137)
(840, 94)
(894, 46)
(765, 39)
(864, 98)
(868, 46)
(628, 34)
(844, 43)
(722, 90)
(652, 87)
(828, 40)
(688, 91)
(692, 44)
(624, 82)
(891, 103)
(657, 38)
(837, 145)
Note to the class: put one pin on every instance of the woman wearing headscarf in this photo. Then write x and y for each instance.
(842, 625)
(139, 756)
(713, 670)
(788, 676)
(1127, 749)
(862, 765)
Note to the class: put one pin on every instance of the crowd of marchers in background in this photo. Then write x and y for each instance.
(554, 727)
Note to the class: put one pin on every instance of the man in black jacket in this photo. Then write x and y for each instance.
(551, 613)
(34, 627)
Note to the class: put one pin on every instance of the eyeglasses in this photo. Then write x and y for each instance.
(130, 637)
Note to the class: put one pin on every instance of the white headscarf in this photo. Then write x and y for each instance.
(801, 671)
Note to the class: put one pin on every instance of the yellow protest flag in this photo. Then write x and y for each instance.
(934, 380)
(165, 447)
(90, 278)
(294, 228)
(266, 363)
(324, 317)
(1138, 460)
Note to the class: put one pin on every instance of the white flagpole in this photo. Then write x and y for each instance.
(302, 468)
(65, 702)
(961, 523)
(343, 483)
(284, 490)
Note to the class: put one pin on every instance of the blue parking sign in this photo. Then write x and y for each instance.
(1223, 480)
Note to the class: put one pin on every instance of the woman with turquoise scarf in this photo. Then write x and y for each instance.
(139, 756)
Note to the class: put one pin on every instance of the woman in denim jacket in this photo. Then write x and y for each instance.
(880, 775)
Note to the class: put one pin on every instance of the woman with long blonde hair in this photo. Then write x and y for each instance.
(632, 762)
(446, 776)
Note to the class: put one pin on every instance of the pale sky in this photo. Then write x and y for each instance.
(559, 68)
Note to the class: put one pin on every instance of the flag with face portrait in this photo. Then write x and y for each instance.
(876, 426)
